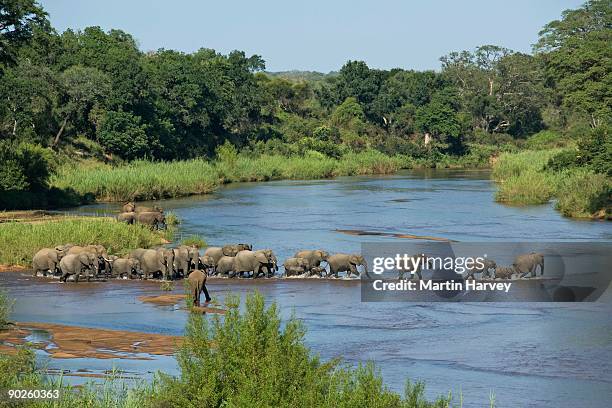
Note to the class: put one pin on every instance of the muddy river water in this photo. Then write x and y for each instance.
(527, 354)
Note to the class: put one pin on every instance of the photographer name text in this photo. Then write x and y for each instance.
(423, 285)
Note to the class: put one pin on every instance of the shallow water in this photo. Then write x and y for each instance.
(527, 354)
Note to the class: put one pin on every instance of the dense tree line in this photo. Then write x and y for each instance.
(98, 91)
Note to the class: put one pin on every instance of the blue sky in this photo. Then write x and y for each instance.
(316, 34)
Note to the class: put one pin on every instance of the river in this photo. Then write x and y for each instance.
(527, 354)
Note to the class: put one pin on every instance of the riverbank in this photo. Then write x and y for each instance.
(145, 180)
(527, 178)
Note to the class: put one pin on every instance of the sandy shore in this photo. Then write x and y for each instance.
(83, 342)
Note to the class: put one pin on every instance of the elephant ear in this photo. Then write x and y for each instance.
(261, 258)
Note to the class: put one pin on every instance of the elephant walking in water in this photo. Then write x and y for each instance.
(76, 264)
(186, 258)
(153, 261)
(48, 259)
(250, 261)
(346, 263)
(296, 266)
(314, 257)
(197, 285)
(528, 264)
(225, 266)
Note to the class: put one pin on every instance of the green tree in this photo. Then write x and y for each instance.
(82, 88)
(18, 19)
(576, 52)
(123, 133)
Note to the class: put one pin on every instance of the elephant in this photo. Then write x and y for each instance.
(127, 267)
(215, 253)
(197, 285)
(48, 259)
(314, 257)
(206, 263)
(109, 264)
(127, 217)
(155, 208)
(346, 263)
(151, 218)
(504, 272)
(528, 264)
(153, 261)
(488, 265)
(232, 250)
(296, 266)
(76, 264)
(98, 250)
(128, 207)
(186, 258)
(250, 261)
(272, 265)
(225, 266)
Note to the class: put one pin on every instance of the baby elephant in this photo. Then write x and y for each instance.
(197, 285)
(126, 267)
(296, 266)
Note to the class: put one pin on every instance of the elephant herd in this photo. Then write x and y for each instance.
(152, 216)
(233, 260)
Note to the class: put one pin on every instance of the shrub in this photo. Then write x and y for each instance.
(528, 187)
(194, 240)
(227, 153)
(595, 150)
(253, 359)
(23, 166)
(545, 139)
(563, 160)
(582, 194)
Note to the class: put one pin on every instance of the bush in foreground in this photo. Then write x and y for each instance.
(252, 359)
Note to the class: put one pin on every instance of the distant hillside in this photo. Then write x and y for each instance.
(296, 75)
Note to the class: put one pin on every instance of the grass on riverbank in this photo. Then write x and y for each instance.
(142, 180)
(524, 179)
(20, 240)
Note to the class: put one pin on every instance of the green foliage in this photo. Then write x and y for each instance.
(194, 240)
(19, 241)
(138, 180)
(18, 20)
(23, 166)
(565, 159)
(576, 51)
(534, 177)
(595, 150)
(545, 139)
(528, 187)
(253, 359)
(123, 134)
(582, 193)
(227, 153)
